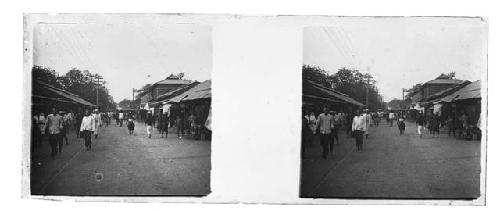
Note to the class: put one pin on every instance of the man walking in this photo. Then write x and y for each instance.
(54, 124)
(336, 123)
(391, 118)
(420, 124)
(97, 122)
(325, 128)
(149, 124)
(87, 127)
(358, 128)
(120, 118)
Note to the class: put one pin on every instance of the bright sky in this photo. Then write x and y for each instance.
(125, 52)
(400, 52)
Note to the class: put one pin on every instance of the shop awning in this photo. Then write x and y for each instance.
(200, 91)
(311, 90)
(165, 97)
(43, 90)
(471, 91)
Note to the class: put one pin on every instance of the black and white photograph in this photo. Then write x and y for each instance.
(394, 108)
(120, 106)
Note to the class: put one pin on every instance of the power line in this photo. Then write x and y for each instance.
(335, 44)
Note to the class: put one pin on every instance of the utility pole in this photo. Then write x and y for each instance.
(367, 88)
(403, 94)
(98, 83)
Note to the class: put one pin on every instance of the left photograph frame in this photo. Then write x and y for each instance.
(116, 105)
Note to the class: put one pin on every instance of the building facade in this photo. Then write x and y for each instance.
(151, 93)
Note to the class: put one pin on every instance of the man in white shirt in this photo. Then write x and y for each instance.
(120, 118)
(55, 124)
(86, 129)
(325, 123)
(391, 117)
(358, 128)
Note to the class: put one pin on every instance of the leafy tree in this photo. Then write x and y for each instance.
(81, 83)
(46, 75)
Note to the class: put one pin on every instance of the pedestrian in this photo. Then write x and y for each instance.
(54, 125)
(65, 126)
(451, 124)
(306, 133)
(190, 122)
(149, 124)
(78, 122)
(164, 125)
(97, 122)
(311, 124)
(120, 117)
(87, 127)
(130, 125)
(35, 134)
(391, 118)
(434, 125)
(358, 128)
(180, 125)
(401, 125)
(420, 124)
(325, 129)
(336, 123)
(42, 124)
(367, 117)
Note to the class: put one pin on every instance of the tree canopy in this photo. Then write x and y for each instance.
(82, 83)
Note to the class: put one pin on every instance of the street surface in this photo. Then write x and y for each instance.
(123, 164)
(394, 166)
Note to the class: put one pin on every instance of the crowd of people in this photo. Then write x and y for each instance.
(357, 125)
(457, 125)
(55, 126)
(328, 123)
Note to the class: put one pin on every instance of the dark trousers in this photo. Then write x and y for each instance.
(87, 136)
(358, 135)
(180, 129)
(55, 141)
(335, 133)
(325, 140)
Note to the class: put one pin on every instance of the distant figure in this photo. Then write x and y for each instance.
(97, 122)
(391, 118)
(451, 122)
(311, 124)
(434, 125)
(65, 127)
(401, 125)
(130, 125)
(420, 124)
(325, 122)
(87, 127)
(367, 118)
(163, 124)
(149, 124)
(54, 124)
(120, 118)
(336, 123)
(358, 128)
(180, 125)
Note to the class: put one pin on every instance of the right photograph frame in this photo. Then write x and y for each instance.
(394, 108)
